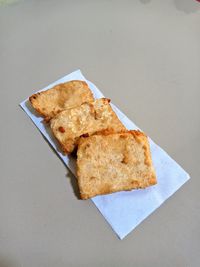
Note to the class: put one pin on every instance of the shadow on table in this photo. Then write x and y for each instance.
(74, 184)
(7, 263)
(145, 1)
(186, 6)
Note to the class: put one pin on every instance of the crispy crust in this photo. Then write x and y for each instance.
(62, 96)
(69, 125)
(113, 162)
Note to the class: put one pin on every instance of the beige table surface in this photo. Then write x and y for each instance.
(145, 55)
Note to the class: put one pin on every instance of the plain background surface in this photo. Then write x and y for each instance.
(145, 55)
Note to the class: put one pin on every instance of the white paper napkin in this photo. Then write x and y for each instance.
(123, 210)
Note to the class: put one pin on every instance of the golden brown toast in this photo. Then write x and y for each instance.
(70, 124)
(114, 162)
(62, 96)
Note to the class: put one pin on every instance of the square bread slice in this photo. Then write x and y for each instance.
(114, 162)
(62, 96)
(85, 120)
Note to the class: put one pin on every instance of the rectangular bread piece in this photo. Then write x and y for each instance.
(69, 125)
(114, 162)
(62, 96)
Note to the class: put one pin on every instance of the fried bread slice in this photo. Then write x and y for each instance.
(108, 163)
(62, 96)
(85, 120)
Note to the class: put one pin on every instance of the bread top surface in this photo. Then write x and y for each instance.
(70, 124)
(114, 162)
(62, 96)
